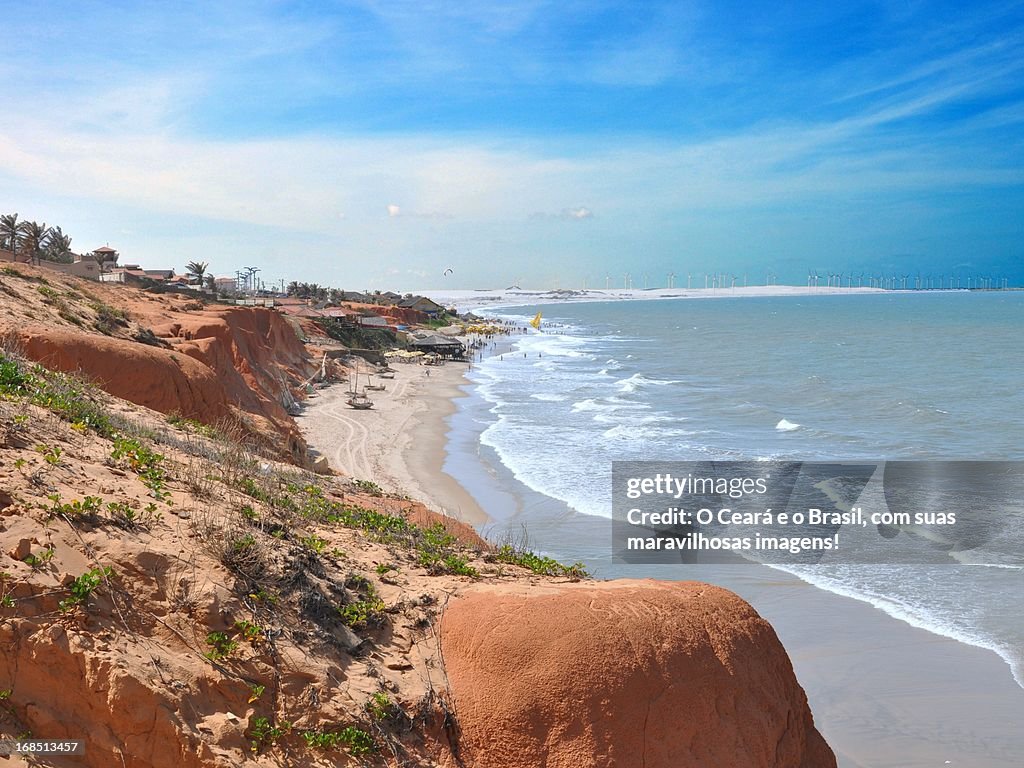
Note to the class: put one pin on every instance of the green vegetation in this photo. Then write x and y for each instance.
(355, 740)
(53, 298)
(82, 587)
(51, 453)
(367, 611)
(545, 566)
(268, 598)
(6, 591)
(252, 633)
(368, 486)
(144, 462)
(443, 320)
(357, 336)
(37, 240)
(263, 733)
(437, 550)
(86, 508)
(108, 318)
(435, 553)
(380, 707)
(66, 396)
(243, 543)
(221, 646)
(251, 488)
(124, 515)
(39, 560)
(193, 426)
(314, 543)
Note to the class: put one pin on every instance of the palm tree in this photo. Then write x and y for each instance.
(11, 232)
(102, 255)
(58, 246)
(196, 269)
(34, 239)
(211, 282)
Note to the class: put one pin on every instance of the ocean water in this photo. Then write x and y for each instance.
(897, 376)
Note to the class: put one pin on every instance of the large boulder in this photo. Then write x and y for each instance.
(623, 673)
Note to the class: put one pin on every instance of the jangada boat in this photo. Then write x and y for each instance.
(375, 387)
(357, 399)
(386, 374)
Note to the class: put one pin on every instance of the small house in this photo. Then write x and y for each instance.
(422, 304)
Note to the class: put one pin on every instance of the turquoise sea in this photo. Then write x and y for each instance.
(928, 375)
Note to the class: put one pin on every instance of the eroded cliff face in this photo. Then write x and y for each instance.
(215, 364)
(158, 378)
(256, 356)
(623, 673)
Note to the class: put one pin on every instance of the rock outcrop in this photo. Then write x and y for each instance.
(623, 673)
(154, 377)
(256, 356)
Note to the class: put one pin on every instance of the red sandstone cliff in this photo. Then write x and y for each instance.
(623, 673)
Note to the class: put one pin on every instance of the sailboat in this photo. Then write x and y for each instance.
(373, 387)
(536, 321)
(357, 399)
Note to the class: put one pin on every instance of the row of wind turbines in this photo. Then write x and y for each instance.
(918, 282)
(904, 282)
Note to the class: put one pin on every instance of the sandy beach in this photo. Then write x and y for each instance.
(399, 443)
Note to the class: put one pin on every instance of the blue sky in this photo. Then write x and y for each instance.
(375, 144)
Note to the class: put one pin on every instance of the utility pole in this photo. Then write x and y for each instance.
(252, 284)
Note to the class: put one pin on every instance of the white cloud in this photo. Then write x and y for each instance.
(394, 211)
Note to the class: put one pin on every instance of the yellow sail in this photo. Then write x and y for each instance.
(536, 321)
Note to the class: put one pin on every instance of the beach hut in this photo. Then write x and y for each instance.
(442, 346)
